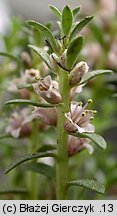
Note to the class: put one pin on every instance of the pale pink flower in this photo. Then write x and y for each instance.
(48, 90)
(92, 52)
(18, 123)
(76, 144)
(46, 115)
(29, 75)
(78, 119)
(112, 55)
(26, 77)
(107, 8)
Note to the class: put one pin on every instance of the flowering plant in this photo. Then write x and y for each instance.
(52, 97)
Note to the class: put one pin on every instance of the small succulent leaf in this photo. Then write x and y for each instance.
(66, 20)
(9, 56)
(76, 12)
(40, 168)
(98, 33)
(13, 191)
(46, 31)
(92, 74)
(28, 157)
(80, 26)
(89, 184)
(44, 55)
(73, 51)
(97, 139)
(29, 102)
(56, 11)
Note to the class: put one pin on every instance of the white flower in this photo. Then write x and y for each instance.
(48, 90)
(78, 119)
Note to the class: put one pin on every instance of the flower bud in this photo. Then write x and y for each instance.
(54, 59)
(46, 115)
(78, 72)
(76, 145)
(26, 59)
(63, 59)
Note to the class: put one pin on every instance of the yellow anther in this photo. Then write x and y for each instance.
(83, 114)
(90, 101)
(37, 78)
(94, 111)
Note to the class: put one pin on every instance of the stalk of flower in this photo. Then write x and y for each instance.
(76, 145)
(78, 119)
(48, 90)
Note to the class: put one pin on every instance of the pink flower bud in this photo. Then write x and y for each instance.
(26, 59)
(54, 59)
(63, 59)
(76, 145)
(78, 72)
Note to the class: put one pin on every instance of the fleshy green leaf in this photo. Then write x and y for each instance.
(47, 148)
(67, 20)
(13, 191)
(41, 168)
(90, 184)
(46, 31)
(73, 51)
(44, 55)
(76, 12)
(98, 33)
(9, 56)
(97, 139)
(80, 26)
(29, 102)
(28, 157)
(56, 11)
(92, 74)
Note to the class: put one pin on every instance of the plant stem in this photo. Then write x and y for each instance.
(32, 177)
(62, 138)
